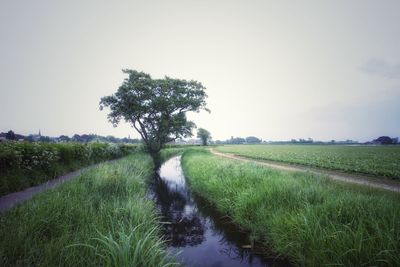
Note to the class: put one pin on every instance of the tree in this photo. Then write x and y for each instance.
(46, 139)
(63, 138)
(204, 135)
(383, 140)
(156, 108)
(252, 140)
(10, 135)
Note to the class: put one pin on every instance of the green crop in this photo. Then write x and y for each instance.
(374, 160)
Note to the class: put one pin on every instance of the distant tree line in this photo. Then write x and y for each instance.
(84, 138)
(382, 140)
(240, 140)
(385, 140)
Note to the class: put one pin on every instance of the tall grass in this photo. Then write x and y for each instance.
(101, 218)
(177, 149)
(310, 219)
(170, 152)
(25, 164)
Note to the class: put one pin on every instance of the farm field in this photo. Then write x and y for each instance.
(309, 219)
(101, 218)
(372, 160)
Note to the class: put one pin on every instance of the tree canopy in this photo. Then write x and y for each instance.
(156, 108)
(252, 140)
(385, 140)
(10, 135)
(204, 135)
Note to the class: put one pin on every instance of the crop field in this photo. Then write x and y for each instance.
(373, 160)
(101, 218)
(309, 219)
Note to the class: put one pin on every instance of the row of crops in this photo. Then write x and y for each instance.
(373, 160)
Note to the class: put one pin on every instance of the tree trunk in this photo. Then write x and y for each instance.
(154, 148)
(156, 156)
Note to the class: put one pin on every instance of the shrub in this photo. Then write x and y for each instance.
(25, 164)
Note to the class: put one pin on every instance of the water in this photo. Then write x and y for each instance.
(203, 236)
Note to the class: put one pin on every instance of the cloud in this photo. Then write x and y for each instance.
(359, 120)
(382, 68)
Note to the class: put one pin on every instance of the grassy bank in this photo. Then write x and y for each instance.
(25, 164)
(309, 219)
(374, 160)
(101, 218)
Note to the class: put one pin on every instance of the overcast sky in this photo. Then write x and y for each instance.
(274, 69)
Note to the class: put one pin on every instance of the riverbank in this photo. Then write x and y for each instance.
(101, 217)
(197, 231)
(310, 219)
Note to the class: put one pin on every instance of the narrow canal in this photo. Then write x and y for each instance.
(201, 235)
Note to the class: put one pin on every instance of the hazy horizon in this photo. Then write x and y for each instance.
(277, 71)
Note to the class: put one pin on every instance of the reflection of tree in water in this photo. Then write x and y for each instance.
(181, 227)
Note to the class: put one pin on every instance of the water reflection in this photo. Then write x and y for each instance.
(182, 225)
(203, 235)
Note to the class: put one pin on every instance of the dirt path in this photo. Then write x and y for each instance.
(10, 200)
(377, 182)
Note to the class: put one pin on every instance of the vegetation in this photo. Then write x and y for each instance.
(170, 152)
(240, 140)
(85, 138)
(204, 135)
(374, 160)
(26, 164)
(386, 140)
(252, 140)
(101, 218)
(156, 108)
(97, 138)
(10, 135)
(310, 219)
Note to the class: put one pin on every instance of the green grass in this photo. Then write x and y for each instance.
(310, 219)
(374, 160)
(24, 164)
(101, 218)
(170, 152)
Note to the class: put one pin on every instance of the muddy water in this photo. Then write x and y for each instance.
(196, 230)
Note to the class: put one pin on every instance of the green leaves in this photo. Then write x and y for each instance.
(204, 135)
(156, 108)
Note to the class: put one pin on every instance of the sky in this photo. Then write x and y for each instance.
(273, 69)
